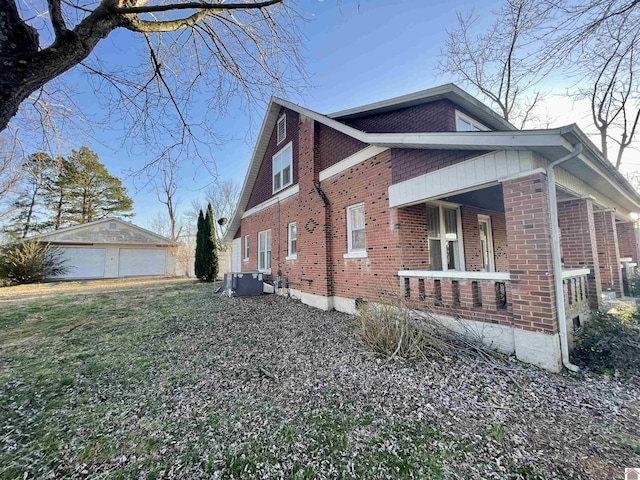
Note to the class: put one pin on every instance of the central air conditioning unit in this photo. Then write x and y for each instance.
(245, 284)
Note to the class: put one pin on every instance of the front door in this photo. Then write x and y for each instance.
(486, 243)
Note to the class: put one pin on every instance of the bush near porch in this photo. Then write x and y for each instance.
(164, 379)
(609, 342)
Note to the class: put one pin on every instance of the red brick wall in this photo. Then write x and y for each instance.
(627, 240)
(578, 242)
(411, 225)
(364, 277)
(263, 187)
(409, 163)
(333, 146)
(438, 116)
(532, 288)
(276, 218)
(608, 252)
(471, 239)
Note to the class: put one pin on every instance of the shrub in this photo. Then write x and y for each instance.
(30, 261)
(609, 342)
(634, 285)
(390, 331)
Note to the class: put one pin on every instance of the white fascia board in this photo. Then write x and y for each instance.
(472, 140)
(455, 274)
(351, 161)
(278, 197)
(609, 180)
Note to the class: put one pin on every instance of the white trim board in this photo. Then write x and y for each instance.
(351, 161)
(281, 195)
(455, 274)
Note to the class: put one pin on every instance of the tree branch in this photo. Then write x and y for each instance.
(57, 22)
(196, 6)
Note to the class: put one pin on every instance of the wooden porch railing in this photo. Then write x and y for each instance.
(576, 291)
(479, 294)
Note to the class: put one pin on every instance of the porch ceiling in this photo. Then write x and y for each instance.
(489, 198)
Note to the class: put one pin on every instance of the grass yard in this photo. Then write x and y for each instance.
(163, 379)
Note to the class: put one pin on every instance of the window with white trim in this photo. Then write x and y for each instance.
(246, 247)
(465, 123)
(282, 168)
(281, 129)
(292, 241)
(356, 240)
(264, 251)
(445, 237)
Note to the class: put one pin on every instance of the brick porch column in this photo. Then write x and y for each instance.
(627, 240)
(608, 251)
(313, 240)
(579, 245)
(532, 290)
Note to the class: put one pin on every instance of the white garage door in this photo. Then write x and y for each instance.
(236, 256)
(142, 261)
(83, 262)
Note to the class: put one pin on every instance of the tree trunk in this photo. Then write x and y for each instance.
(32, 204)
(25, 68)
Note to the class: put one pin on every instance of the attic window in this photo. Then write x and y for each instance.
(113, 226)
(282, 129)
(468, 124)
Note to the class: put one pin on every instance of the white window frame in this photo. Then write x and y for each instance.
(281, 121)
(487, 219)
(443, 243)
(246, 248)
(474, 123)
(264, 268)
(273, 169)
(351, 252)
(291, 255)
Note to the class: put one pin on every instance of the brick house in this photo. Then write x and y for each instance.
(435, 197)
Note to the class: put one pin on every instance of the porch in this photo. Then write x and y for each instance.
(485, 256)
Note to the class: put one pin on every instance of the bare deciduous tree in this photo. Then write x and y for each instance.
(498, 63)
(10, 171)
(166, 185)
(598, 40)
(223, 197)
(244, 48)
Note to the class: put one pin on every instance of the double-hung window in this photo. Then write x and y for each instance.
(283, 168)
(293, 241)
(445, 246)
(246, 247)
(356, 240)
(264, 251)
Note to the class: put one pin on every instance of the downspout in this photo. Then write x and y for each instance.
(555, 256)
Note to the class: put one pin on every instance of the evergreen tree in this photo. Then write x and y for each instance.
(199, 246)
(93, 192)
(210, 250)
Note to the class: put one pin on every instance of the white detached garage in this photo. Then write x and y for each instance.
(111, 248)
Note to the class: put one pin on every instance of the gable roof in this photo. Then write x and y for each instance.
(160, 240)
(448, 91)
(550, 143)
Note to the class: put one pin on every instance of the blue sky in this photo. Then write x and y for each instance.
(356, 51)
